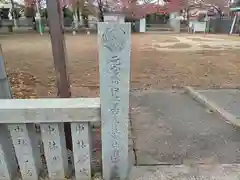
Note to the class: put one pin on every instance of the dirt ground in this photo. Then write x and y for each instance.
(29, 63)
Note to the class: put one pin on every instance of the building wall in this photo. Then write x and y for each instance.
(114, 18)
(142, 25)
(213, 26)
(197, 26)
(92, 22)
(220, 25)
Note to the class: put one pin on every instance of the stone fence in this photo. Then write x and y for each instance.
(18, 136)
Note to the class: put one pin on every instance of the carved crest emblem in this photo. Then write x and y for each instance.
(113, 39)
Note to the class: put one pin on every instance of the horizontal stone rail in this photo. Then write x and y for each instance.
(49, 110)
(20, 143)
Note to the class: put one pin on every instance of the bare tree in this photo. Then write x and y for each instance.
(218, 5)
(101, 5)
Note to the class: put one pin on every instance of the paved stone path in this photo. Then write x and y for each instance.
(182, 172)
(229, 99)
(172, 128)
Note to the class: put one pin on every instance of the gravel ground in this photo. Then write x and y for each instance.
(30, 64)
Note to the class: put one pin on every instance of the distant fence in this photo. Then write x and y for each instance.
(164, 27)
(158, 27)
(28, 22)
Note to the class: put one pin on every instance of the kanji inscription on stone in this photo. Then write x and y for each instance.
(81, 150)
(114, 54)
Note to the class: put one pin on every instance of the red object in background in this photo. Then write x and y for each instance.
(131, 6)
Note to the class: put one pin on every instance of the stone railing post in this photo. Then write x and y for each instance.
(8, 162)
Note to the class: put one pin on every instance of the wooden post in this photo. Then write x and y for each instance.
(114, 54)
(59, 55)
(58, 47)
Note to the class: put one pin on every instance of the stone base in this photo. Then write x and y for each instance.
(186, 172)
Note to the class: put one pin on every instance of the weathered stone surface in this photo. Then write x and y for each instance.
(172, 128)
(25, 143)
(81, 150)
(114, 54)
(49, 110)
(228, 99)
(8, 162)
(54, 142)
(96, 149)
(182, 172)
(212, 106)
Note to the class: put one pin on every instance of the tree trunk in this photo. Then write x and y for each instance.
(34, 23)
(86, 21)
(78, 13)
(14, 13)
(100, 7)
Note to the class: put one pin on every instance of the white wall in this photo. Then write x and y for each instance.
(121, 19)
(108, 18)
(142, 25)
(198, 26)
(6, 6)
(92, 21)
(114, 18)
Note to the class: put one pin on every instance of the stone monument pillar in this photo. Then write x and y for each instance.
(174, 21)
